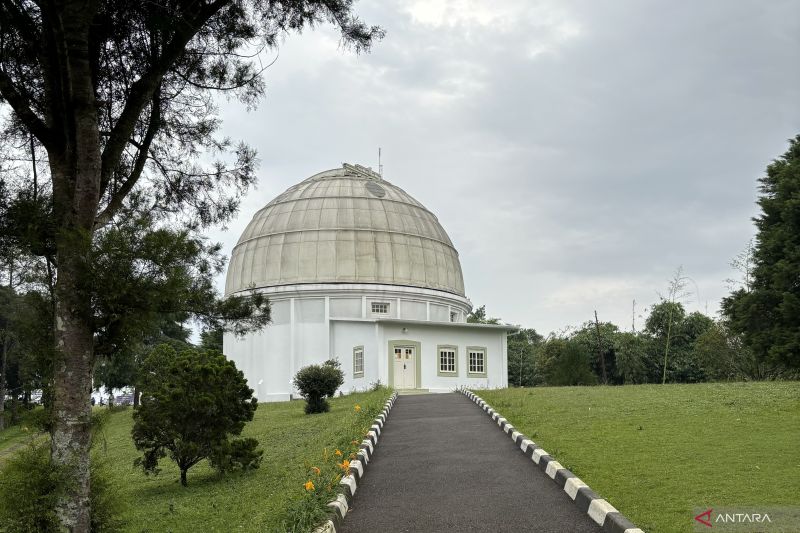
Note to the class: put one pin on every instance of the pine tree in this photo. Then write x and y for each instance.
(768, 314)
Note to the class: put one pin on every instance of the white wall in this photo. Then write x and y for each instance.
(302, 333)
(265, 359)
(430, 336)
(344, 337)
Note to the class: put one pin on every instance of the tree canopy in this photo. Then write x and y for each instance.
(111, 107)
(766, 311)
(193, 401)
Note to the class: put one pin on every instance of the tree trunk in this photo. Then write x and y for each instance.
(71, 434)
(135, 397)
(75, 165)
(600, 350)
(183, 477)
(3, 387)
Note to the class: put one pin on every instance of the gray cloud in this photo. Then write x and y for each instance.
(576, 152)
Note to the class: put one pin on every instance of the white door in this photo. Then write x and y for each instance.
(405, 368)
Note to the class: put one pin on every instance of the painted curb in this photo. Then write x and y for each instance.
(598, 509)
(349, 483)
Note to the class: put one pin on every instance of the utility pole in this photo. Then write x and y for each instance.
(600, 350)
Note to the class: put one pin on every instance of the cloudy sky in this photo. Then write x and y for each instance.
(577, 153)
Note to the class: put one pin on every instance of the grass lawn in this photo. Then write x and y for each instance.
(17, 435)
(658, 452)
(252, 501)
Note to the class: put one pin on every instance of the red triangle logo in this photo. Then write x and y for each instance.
(704, 518)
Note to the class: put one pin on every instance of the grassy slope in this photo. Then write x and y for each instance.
(254, 501)
(12, 437)
(658, 452)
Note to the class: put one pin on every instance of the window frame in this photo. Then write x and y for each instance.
(382, 313)
(485, 352)
(449, 348)
(357, 349)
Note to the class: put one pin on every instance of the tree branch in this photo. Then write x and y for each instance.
(21, 21)
(31, 120)
(142, 89)
(118, 198)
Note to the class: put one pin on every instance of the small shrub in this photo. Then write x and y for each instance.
(236, 454)
(191, 404)
(316, 383)
(30, 487)
(41, 419)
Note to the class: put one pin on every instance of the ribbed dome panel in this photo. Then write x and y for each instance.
(345, 226)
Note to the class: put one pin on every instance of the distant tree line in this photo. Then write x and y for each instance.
(701, 349)
(756, 337)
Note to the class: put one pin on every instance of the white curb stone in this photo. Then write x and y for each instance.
(598, 510)
(357, 465)
(537, 455)
(572, 486)
(552, 468)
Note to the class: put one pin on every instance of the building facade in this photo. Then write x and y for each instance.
(358, 270)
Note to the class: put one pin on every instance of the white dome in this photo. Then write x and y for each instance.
(345, 225)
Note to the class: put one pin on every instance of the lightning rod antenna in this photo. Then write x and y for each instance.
(380, 166)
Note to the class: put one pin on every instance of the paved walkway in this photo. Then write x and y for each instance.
(442, 464)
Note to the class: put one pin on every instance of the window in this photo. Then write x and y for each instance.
(476, 361)
(380, 308)
(448, 360)
(358, 362)
(453, 316)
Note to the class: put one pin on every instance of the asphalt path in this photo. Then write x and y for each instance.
(442, 464)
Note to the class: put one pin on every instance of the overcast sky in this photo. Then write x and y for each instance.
(576, 153)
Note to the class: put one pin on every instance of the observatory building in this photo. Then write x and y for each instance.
(357, 270)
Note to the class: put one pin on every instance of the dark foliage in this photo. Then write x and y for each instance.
(191, 403)
(767, 312)
(317, 383)
(31, 485)
(522, 347)
(236, 454)
(565, 362)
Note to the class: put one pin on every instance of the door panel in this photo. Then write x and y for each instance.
(405, 368)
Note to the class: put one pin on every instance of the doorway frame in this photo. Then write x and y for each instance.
(418, 363)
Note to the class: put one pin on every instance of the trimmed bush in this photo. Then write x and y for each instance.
(316, 383)
(192, 402)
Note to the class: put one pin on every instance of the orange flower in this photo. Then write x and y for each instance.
(357, 408)
(352, 456)
(344, 465)
(338, 452)
(309, 485)
(315, 470)
(354, 442)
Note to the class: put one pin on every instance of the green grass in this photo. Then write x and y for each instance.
(12, 437)
(240, 502)
(658, 452)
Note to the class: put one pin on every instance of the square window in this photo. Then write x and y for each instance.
(380, 308)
